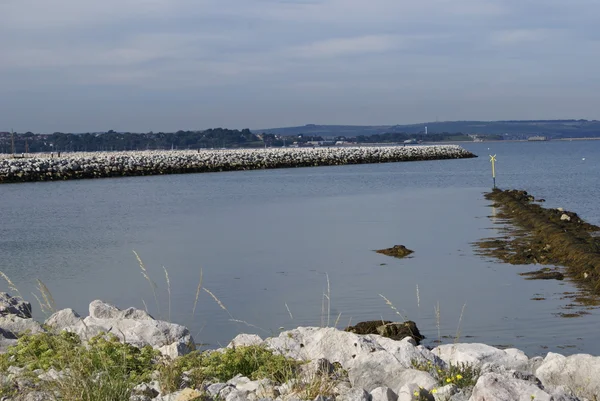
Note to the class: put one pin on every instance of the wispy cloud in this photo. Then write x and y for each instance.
(285, 55)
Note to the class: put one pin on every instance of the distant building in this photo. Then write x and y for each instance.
(537, 138)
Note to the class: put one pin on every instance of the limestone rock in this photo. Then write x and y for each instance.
(12, 326)
(480, 354)
(102, 310)
(496, 387)
(10, 305)
(131, 325)
(356, 394)
(381, 369)
(312, 343)
(244, 340)
(63, 318)
(406, 352)
(578, 371)
(408, 391)
(383, 394)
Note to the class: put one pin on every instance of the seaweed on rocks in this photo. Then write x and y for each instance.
(397, 251)
(389, 329)
(544, 236)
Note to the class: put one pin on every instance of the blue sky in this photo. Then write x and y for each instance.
(141, 65)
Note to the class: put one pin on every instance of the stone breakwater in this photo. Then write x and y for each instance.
(118, 164)
(334, 364)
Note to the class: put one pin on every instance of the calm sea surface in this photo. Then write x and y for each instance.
(269, 242)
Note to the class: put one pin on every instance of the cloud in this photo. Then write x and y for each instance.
(290, 52)
(340, 47)
(522, 36)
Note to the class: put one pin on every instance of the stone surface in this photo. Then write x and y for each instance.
(496, 387)
(245, 340)
(579, 372)
(131, 325)
(445, 393)
(355, 394)
(145, 389)
(408, 391)
(383, 394)
(215, 389)
(381, 369)
(480, 354)
(312, 343)
(406, 352)
(10, 305)
(63, 318)
(11, 326)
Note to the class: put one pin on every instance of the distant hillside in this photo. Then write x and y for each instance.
(509, 129)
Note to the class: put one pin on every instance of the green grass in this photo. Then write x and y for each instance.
(106, 369)
(463, 375)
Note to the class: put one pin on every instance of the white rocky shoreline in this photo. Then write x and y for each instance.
(374, 368)
(136, 163)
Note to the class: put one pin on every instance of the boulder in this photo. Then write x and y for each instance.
(481, 354)
(102, 310)
(496, 387)
(407, 352)
(63, 318)
(412, 392)
(445, 393)
(186, 394)
(383, 394)
(10, 305)
(579, 372)
(245, 340)
(356, 394)
(382, 369)
(12, 326)
(313, 343)
(133, 326)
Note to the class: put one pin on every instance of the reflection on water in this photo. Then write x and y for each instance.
(265, 241)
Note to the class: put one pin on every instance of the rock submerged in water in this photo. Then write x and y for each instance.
(397, 251)
(389, 329)
(543, 274)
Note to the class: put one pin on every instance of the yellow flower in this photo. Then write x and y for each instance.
(416, 393)
(458, 377)
(448, 380)
(434, 391)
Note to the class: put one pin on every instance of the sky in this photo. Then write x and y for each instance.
(165, 65)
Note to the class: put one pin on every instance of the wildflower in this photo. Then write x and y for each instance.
(434, 391)
(458, 377)
(416, 393)
(448, 380)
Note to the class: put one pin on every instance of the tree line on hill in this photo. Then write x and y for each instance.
(209, 139)
(118, 141)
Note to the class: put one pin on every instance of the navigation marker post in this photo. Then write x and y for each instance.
(493, 161)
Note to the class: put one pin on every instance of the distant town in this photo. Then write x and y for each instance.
(310, 135)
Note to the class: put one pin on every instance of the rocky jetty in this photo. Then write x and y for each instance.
(546, 236)
(118, 164)
(318, 364)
